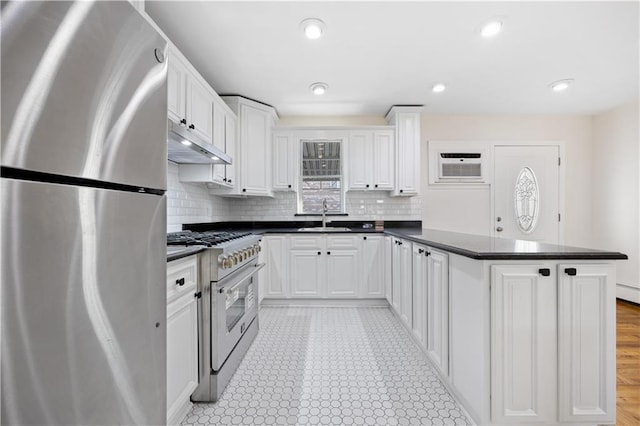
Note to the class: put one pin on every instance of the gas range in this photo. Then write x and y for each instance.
(227, 304)
(227, 251)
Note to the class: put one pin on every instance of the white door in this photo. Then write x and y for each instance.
(526, 193)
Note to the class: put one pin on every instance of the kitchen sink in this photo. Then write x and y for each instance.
(325, 229)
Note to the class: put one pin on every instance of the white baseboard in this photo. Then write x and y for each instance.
(337, 303)
(627, 292)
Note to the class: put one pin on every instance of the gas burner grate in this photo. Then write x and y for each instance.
(208, 238)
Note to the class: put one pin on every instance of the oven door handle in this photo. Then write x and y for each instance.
(239, 278)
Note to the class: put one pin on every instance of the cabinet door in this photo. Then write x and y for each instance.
(342, 273)
(255, 151)
(388, 277)
(307, 273)
(199, 109)
(408, 152)
(396, 278)
(276, 283)
(176, 88)
(523, 344)
(182, 355)
(285, 160)
(360, 166)
(438, 309)
(384, 158)
(231, 131)
(406, 284)
(219, 134)
(586, 349)
(419, 278)
(374, 266)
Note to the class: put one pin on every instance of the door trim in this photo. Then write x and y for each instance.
(561, 180)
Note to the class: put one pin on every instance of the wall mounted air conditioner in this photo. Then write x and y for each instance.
(458, 163)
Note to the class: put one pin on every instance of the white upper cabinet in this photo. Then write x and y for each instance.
(253, 147)
(194, 104)
(176, 88)
(285, 161)
(371, 159)
(190, 99)
(407, 123)
(199, 109)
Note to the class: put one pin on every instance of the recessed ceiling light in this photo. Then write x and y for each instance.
(214, 158)
(313, 28)
(319, 88)
(491, 28)
(185, 142)
(561, 85)
(437, 88)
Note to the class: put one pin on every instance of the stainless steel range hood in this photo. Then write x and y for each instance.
(184, 147)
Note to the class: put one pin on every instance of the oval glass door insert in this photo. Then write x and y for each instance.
(527, 200)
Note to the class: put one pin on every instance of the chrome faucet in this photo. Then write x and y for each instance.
(324, 212)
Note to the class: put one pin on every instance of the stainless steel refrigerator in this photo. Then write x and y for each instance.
(83, 299)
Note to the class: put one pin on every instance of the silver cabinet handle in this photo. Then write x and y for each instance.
(499, 229)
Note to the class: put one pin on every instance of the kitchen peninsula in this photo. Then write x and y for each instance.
(518, 330)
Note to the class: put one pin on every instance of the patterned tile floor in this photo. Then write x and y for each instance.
(332, 366)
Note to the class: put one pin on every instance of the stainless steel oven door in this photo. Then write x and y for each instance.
(235, 302)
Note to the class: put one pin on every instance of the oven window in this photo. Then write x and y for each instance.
(237, 302)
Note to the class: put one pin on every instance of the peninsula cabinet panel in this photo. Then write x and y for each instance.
(586, 327)
(523, 345)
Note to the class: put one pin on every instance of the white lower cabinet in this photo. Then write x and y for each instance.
(523, 344)
(275, 254)
(308, 271)
(402, 285)
(419, 277)
(586, 343)
(338, 266)
(431, 303)
(553, 343)
(438, 309)
(182, 337)
(324, 266)
(342, 270)
(376, 271)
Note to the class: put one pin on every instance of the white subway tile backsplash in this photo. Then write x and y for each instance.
(192, 203)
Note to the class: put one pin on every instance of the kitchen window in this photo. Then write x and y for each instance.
(321, 177)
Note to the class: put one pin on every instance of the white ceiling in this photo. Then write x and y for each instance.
(377, 54)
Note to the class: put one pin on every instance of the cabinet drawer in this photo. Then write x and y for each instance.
(306, 242)
(182, 277)
(342, 241)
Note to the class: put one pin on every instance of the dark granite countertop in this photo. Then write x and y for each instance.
(488, 248)
(473, 246)
(178, 252)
